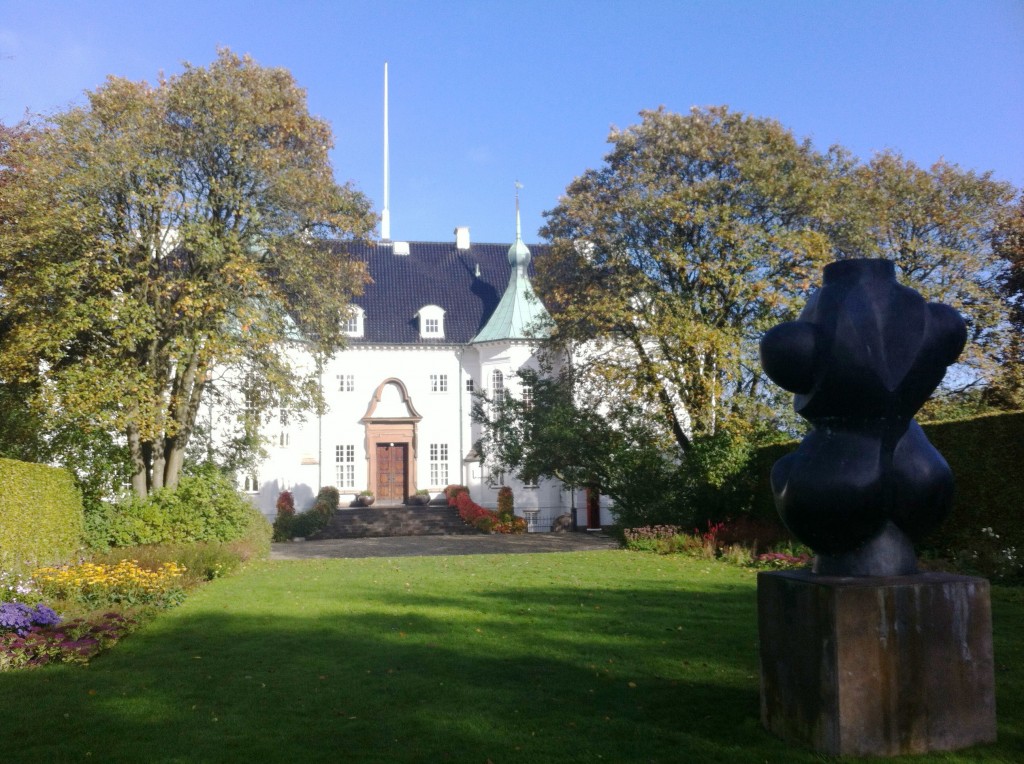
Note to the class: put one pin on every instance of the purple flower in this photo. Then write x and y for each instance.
(20, 618)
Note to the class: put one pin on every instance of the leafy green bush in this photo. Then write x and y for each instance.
(307, 524)
(204, 507)
(41, 517)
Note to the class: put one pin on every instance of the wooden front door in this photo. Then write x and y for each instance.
(593, 509)
(392, 459)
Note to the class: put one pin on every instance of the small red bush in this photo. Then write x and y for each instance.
(486, 520)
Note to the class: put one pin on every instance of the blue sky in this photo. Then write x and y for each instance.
(486, 93)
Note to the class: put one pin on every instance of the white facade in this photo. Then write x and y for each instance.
(398, 415)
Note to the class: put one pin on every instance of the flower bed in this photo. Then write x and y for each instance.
(74, 641)
(736, 541)
(34, 635)
(99, 584)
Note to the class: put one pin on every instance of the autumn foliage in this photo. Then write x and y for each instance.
(486, 520)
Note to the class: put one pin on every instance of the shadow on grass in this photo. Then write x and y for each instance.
(563, 674)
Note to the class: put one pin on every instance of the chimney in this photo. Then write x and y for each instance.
(462, 237)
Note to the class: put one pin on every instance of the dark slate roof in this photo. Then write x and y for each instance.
(433, 273)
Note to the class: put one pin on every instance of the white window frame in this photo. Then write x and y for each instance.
(431, 322)
(346, 383)
(353, 324)
(439, 464)
(439, 383)
(527, 397)
(345, 466)
(497, 385)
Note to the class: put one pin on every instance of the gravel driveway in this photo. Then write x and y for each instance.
(420, 546)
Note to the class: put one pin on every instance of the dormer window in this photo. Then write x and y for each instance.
(352, 322)
(431, 322)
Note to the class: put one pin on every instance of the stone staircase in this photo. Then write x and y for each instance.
(365, 522)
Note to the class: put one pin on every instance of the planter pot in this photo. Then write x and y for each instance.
(419, 500)
(364, 501)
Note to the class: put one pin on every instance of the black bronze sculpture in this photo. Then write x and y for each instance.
(862, 358)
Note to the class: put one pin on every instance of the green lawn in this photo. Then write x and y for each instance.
(597, 656)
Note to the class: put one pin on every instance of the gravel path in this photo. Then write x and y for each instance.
(420, 546)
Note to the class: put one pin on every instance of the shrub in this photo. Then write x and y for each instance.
(482, 519)
(204, 507)
(506, 504)
(41, 516)
(285, 518)
(307, 524)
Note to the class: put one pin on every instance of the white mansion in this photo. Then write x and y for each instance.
(438, 321)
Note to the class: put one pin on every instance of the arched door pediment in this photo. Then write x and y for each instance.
(391, 402)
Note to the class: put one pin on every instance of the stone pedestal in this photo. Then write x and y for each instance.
(876, 666)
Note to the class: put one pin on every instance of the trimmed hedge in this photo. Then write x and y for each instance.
(984, 532)
(41, 516)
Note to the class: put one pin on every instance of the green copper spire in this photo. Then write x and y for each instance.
(520, 315)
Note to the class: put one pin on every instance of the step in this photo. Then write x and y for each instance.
(366, 522)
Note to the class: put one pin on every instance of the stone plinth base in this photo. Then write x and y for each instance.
(876, 666)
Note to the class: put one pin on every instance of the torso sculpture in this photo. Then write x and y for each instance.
(862, 358)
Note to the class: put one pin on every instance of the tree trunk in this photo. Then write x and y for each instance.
(186, 395)
(174, 462)
(157, 469)
(140, 482)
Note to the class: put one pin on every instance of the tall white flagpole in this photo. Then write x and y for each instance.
(385, 215)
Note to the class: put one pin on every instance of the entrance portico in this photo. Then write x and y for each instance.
(391, 443)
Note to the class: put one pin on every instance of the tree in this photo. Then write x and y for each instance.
(163, 234)
(1008, 390)
(940, 226)
(698, 233)
(561, 431)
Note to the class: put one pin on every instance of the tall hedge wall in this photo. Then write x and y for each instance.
(41, 517)
(986, 526)
(986, 455)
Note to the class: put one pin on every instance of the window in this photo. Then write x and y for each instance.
(345, 465)
(252, 484)
(439, 464)
(469, 385)
(284, 436)
(497, 386)
(431, 321)
(352, 324)
(346, 383)
(250, 402)
(438, 383)
(527, 397)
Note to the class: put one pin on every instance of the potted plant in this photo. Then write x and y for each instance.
(421, 497)
(364, 498)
